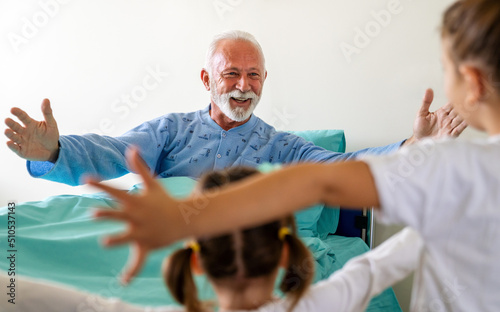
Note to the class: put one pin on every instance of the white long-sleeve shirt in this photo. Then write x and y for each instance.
(448, 191)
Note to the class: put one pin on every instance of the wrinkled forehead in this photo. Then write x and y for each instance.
(237, 54)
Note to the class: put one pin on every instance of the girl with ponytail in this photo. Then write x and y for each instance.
(242, 265)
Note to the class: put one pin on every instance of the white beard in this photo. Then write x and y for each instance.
(223, 102)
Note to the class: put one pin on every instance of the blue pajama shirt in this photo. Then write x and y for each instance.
(184, 144)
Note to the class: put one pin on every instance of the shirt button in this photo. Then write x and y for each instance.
(219, 155)
(223, 134)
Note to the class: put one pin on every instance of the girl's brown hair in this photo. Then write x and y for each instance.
(256, 252)
(473, 30)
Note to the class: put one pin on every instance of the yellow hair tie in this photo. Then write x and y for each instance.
(194, 246)
(284, 231)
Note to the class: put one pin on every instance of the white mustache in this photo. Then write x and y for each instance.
(237, 94)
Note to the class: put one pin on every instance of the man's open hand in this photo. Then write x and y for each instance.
(441, 123)
(37, 140)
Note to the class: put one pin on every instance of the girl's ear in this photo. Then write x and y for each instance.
(285, 255)
(475, 84)
(195, 263)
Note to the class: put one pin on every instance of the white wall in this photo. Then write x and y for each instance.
(85, 55)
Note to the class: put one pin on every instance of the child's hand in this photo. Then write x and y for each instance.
(151, 216)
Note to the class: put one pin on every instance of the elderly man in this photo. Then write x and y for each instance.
(226, 133)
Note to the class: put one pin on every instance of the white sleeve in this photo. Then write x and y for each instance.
(43, 296)
(352, 287)
(411, 183)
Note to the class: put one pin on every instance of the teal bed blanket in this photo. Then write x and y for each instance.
(57, 240)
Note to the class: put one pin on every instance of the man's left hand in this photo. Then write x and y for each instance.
(441, 123)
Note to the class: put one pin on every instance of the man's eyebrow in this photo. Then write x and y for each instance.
(230, 69)
(254, 68)
(237, 69)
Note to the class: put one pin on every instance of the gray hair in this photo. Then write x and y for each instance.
(231, 35)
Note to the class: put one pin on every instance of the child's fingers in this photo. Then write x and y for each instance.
(137, 164)
(110, 214)
(116, 193)
(117, 240)
(136, 261)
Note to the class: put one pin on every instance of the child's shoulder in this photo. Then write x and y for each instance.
(470, 146)
(467, 146)
(460, 154)
(471, 153)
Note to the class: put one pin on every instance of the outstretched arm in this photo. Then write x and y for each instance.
(73, 156)
(155, 219)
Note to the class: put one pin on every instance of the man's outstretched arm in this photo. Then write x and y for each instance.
(444, 122)
(66, 158)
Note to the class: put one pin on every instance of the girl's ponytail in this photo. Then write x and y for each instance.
(179, 280)
(300, 270)
(241, 256)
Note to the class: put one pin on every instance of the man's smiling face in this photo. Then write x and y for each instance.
(238, 76)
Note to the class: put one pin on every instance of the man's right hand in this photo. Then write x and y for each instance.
(37, 140)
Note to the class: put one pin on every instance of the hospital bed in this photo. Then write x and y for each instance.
(58, 241)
